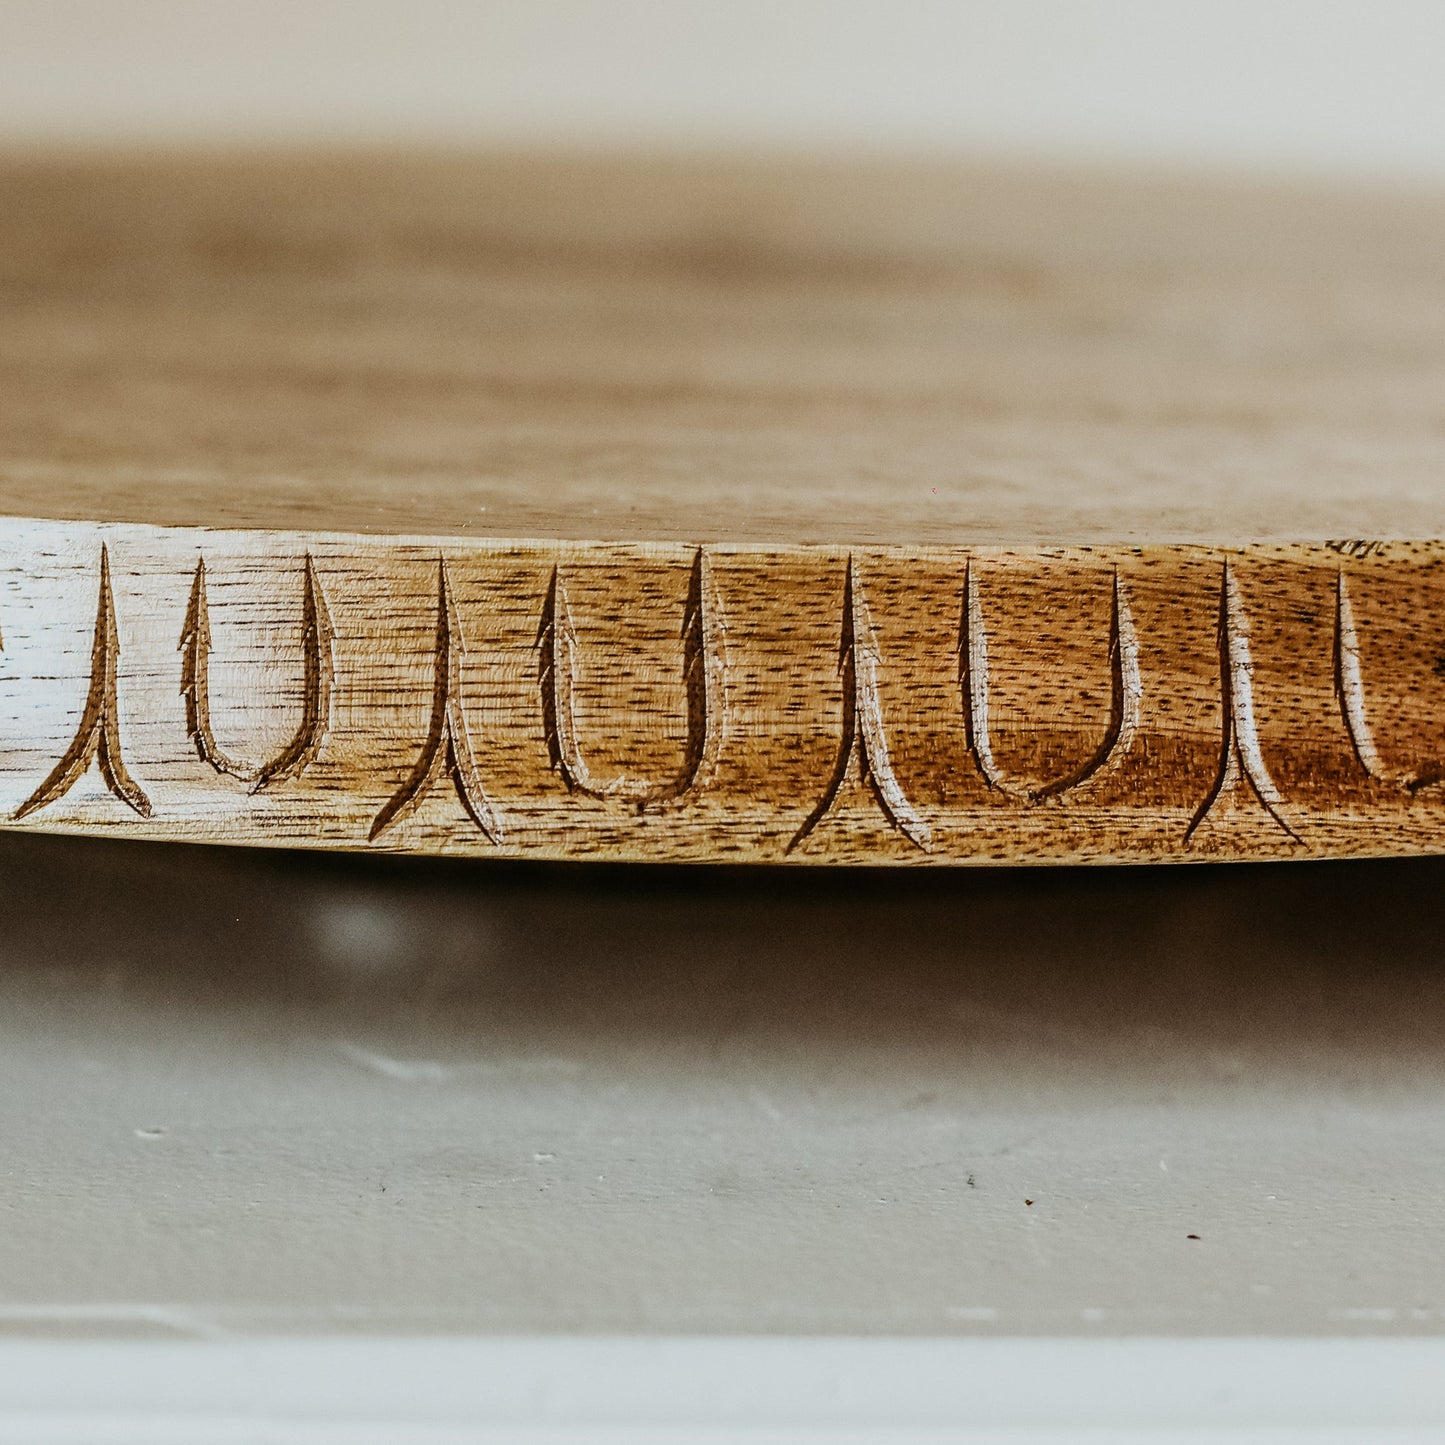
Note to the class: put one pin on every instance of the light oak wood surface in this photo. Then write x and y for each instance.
(720, 509)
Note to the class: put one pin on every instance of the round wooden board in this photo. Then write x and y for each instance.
(720, 509)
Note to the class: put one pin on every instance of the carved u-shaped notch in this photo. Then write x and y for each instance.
(1240, 757)
(317, 680)
(1126, 697)
(448, 745)
(704, 665)
(1350, 694)
(97, 739)
(864, 741)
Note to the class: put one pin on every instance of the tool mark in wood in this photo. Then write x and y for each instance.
(1350, 686)
(317, 682)
(448, 747)
(1357, 547)
(97, 739)
(704, 666)
(1126, 695)
(1240, 756)
(864, 739)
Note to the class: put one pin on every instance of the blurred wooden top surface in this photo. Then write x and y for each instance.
(717, 350)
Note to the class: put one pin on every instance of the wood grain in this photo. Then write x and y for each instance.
(659, 509)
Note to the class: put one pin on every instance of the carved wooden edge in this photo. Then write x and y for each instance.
(803, 704)
(97, 738)
(318, 678)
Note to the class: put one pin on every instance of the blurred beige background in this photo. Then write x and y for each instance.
(1351, 85)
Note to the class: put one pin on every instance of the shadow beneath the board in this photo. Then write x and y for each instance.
(1289, 966)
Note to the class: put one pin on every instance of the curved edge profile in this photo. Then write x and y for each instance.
(787, 747)
(317, 681)
(1126, 697)
(704, 671)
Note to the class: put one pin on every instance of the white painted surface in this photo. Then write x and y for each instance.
(1324, 84)
(620, 1391)
(246, 1093)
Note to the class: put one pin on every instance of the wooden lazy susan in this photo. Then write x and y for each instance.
(710, 509)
